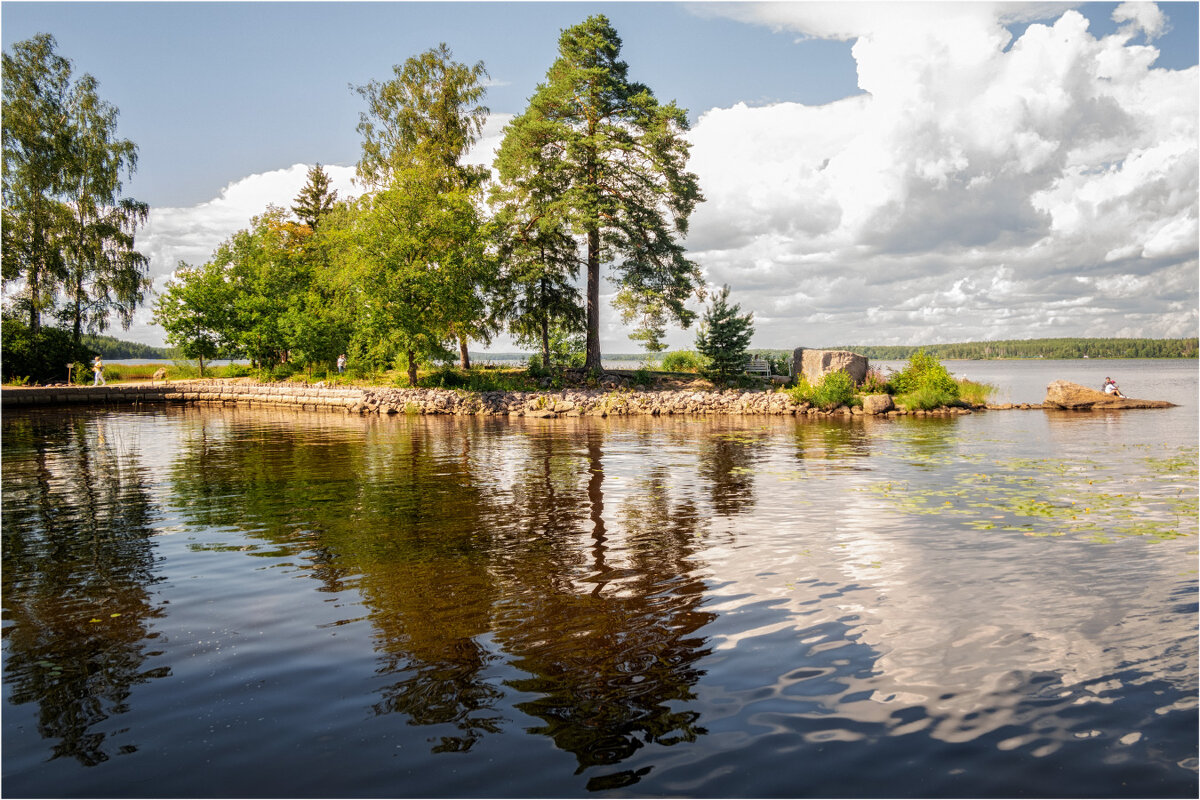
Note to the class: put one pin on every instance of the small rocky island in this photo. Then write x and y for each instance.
(1072, 396)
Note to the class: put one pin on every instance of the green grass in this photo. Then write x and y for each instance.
(975, 393)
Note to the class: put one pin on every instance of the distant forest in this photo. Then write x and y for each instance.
(1040, 348)
(111, 349)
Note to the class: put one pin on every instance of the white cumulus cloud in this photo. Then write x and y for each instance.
(962, 193)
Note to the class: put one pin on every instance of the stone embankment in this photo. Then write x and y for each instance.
(382, 400)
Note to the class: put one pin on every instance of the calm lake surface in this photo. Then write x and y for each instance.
(205, 602)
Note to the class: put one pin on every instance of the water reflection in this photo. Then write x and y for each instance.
(464, 561)
(727, 462)
(607, 663)
(78, 567)
(689, 604)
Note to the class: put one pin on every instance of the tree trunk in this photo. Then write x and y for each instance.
(464, 358)
(34, 321)
(546, 341)
(592, 361)
(201, 360)
(77, 332)
(412, 368)
(595, 492)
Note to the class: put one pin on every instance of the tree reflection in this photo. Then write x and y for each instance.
(398, 517)
(78, 561)
(726, 462)
(609, 664)
(477, 547)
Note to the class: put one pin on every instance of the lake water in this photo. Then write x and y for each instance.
(220, 602)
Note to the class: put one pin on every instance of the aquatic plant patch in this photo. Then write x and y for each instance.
(1145, 496)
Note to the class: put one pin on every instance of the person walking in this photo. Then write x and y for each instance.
(341, 363)
(98, 368)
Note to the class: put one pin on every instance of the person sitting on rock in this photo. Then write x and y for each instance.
(1110, 387)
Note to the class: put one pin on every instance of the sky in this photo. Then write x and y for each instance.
(874, 173)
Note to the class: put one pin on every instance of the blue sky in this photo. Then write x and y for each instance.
(875, 172)
(212, 92)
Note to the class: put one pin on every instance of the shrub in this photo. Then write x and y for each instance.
(923, 397)
(642, 377)
(874, 383)
(925, 374)
(281, 372)
(780, 363)
(42, 356)
(444, 378)
(682, 361)
(835, 389)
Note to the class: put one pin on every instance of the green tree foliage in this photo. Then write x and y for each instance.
(104, 274)
(42, 355)
(316, 199)
(724, 337)
(418, 254)
(535, 292)
(111, 348)
(651, 316)
(195, 312)
(66, 226)
(613, 161)
(428, 115)
(412, 271)
(37, 86)
(265, 295)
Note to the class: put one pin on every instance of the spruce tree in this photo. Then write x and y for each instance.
(724, 337)
(315, 199)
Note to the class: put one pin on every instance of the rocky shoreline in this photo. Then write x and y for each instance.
(391, 401)
(598, 402)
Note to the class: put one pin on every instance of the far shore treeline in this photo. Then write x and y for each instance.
(112, 349)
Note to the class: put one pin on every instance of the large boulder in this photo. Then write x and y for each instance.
(816, 364)
(877, 404)
(1064, 394)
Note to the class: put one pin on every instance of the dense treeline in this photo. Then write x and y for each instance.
(1040, 348)
(438, 253)
(435, 254)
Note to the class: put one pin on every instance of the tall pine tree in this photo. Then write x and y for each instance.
(616, 160)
